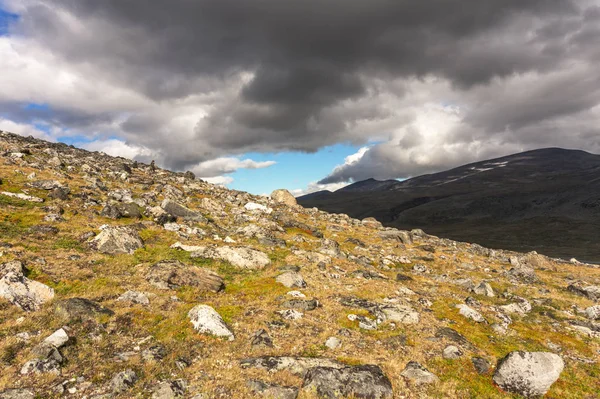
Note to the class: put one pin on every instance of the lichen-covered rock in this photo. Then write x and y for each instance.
(137, 297)
(242, 257)
(529, 374)
(366, 381)
(17, 394)
(206, 320)
(175, 209)
(173, 274)
(117, 240)
(123, 381)
(27, 294)
(400, 313)
(470, 313)
(296, 365)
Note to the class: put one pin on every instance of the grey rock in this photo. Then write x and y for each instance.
(484, 289)
(117, 240)
(137, 297)
(400, 313)
(470, 313)
(593, 312)
(333, 343)
(173, 274)
(284, 197)
(261, 338)
(175, 209)
(291, 280)
(481, 365)
(295, 365)
(591, 291)
(302, 304)
(451, 352)
(418, 375)
(242, 257)
(169, 390)
(365, 381)
(272, 391)
(123, 381)
(529, 374)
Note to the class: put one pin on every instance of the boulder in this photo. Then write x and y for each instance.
(206, 320)
(175, 209)
(27, 294)
(416, 374)
(593, 312)
(169, 390)
(284, 197)
(591, 291)
(365, 381)
(80, 309)
(117, 240)
(484, 289)
(172, 274)
(137, 297)
(291, 280)
(529, 374)
(451, 352)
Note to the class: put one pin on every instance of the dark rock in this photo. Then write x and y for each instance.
(366, 381)
(455, 336)
(123, 381)
(261, 338)
(175, 209)
(80, 308)
(44, 229)
(481, 365)
(403, 277)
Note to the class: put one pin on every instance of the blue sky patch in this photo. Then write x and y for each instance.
(6, 19)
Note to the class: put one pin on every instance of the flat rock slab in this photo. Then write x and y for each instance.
(418, 374)
(175, 209)
(242, 257)
(366, 381)
(296, 365)
(529, 374)
(172, 274)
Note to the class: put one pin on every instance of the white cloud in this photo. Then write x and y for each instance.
(313, 187)
(24, 129)
(219, 166)
(220, 180)
(118, 148)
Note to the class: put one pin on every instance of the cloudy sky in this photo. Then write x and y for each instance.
(306, 95)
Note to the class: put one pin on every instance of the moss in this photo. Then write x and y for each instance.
(68, 243)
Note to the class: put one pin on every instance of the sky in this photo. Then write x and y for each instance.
(304, 95)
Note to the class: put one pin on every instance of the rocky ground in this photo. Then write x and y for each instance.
(122, 280)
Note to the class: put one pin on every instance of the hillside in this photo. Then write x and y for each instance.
(122, 280)
(545, 200)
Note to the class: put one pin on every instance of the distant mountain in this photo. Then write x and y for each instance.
(546, 200)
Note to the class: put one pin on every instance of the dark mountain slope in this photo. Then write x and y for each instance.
(546, 200)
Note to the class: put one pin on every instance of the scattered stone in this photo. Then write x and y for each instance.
(333, 343)
(521, 307)
(173, 274)
(593, 312)
(117, 240)
(367, 381)
(261, 338)
(295, 365)
(21, 196)
(418, 375)
(154, 353)
(254, 207)
(400, 313)
(591, 291)
(290, 314)
(27, 294)
(123, 381)
(175, 209)
(272, 391)
(169, 390)
(470, 313)
(206, 320)
(17, 394)
(302, 304)
(481, 365)
(137, 297)
(529, 374)
(452, 352)
(484, 289)
(291, 280)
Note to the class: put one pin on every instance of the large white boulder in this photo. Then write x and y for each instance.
(529, 374)
(27, 294)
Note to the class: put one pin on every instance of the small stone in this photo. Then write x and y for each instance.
(261, 338)
(481, 365)
(452, 352)
(333, 343)
(470, 313)
(206, 320)
(123, 381)
(418, 375)
(291, 280)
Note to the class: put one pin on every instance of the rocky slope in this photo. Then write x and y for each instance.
(121, 280)
(544, 200)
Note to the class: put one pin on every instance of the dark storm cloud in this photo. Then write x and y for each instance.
(297, 75)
